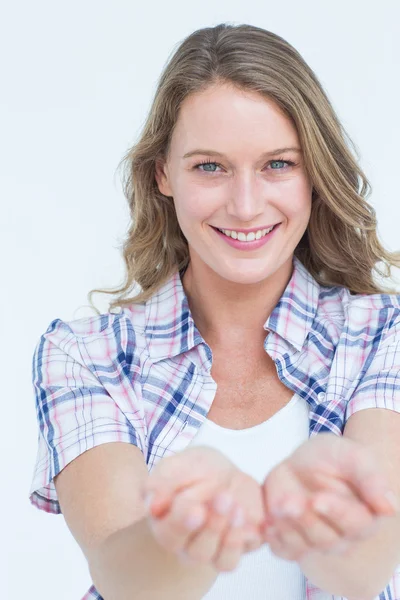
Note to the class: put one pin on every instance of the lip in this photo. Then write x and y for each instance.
(254, 245)
(260, 228)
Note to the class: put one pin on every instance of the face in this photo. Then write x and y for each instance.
(247, 185)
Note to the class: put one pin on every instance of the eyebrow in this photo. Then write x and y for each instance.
(215, 153)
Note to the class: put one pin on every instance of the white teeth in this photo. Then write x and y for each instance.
(250, 237)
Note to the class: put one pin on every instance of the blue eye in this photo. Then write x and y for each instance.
(206, 162)
(211, 162)
(280, 161)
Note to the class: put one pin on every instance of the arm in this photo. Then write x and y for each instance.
(100, 494)
(130, 564)
(363, 572)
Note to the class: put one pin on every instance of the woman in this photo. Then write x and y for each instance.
(238, 374)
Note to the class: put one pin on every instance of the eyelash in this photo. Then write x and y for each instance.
(212, 162)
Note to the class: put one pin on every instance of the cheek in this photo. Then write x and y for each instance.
(193, 208)
(296, 201)
(298, 209)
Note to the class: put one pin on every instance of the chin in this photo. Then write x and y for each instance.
(244, 275)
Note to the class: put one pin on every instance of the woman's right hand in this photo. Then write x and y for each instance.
(205, 509)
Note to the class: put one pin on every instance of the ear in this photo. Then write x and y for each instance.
(161, 175)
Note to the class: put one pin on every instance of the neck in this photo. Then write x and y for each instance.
(226, 312)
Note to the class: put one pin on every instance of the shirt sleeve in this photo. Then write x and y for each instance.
(76, 408)
(379, 387)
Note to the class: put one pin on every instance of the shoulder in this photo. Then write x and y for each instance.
(131, 317)
(359, 318)
(95, 339)
(373, 319)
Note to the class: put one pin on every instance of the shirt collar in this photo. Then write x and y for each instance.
(295, 311)
(170, 328)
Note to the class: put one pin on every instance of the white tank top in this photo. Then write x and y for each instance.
(260, 575)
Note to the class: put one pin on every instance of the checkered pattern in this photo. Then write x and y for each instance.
(143, 376)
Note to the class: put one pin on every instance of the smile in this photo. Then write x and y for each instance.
(243, 237)
(249, 242)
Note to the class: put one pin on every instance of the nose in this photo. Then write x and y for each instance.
(246, 198)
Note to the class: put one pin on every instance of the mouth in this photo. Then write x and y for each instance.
(252, 236)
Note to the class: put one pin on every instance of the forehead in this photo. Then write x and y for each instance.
(226, 118)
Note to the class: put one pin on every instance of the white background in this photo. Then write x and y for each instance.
(77, 79)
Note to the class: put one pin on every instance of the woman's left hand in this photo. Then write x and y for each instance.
(327, 495)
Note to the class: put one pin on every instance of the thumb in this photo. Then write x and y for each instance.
(161, 485)
(182, 471)
(175, 472)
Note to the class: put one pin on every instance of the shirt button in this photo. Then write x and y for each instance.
(321, 396)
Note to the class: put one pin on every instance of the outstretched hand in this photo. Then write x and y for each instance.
(327, 495)
(204, 509)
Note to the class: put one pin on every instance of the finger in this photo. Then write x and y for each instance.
(252, 534)
(158, 505)
(203, 545)
(223, 541)
(287, 543)
(350, 518)
(314, 531)
(291, 545)
(175, 528)
(197, 493)
(282, 486)
(158, 495)
(255, 542)
(234, 542)
(342, 520)
(222, 513)
(176, 472)
(359, 466)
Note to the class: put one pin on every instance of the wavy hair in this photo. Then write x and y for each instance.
(340, 245)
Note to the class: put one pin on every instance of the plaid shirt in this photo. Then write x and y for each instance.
(142, 376)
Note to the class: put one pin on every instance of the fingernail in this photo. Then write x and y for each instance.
(278, 510)
(222, 504)
(238, 519)
(292, 510)
(321, 507)
(194, 521)
(288, 509)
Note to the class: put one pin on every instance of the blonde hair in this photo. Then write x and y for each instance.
(340, 245)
